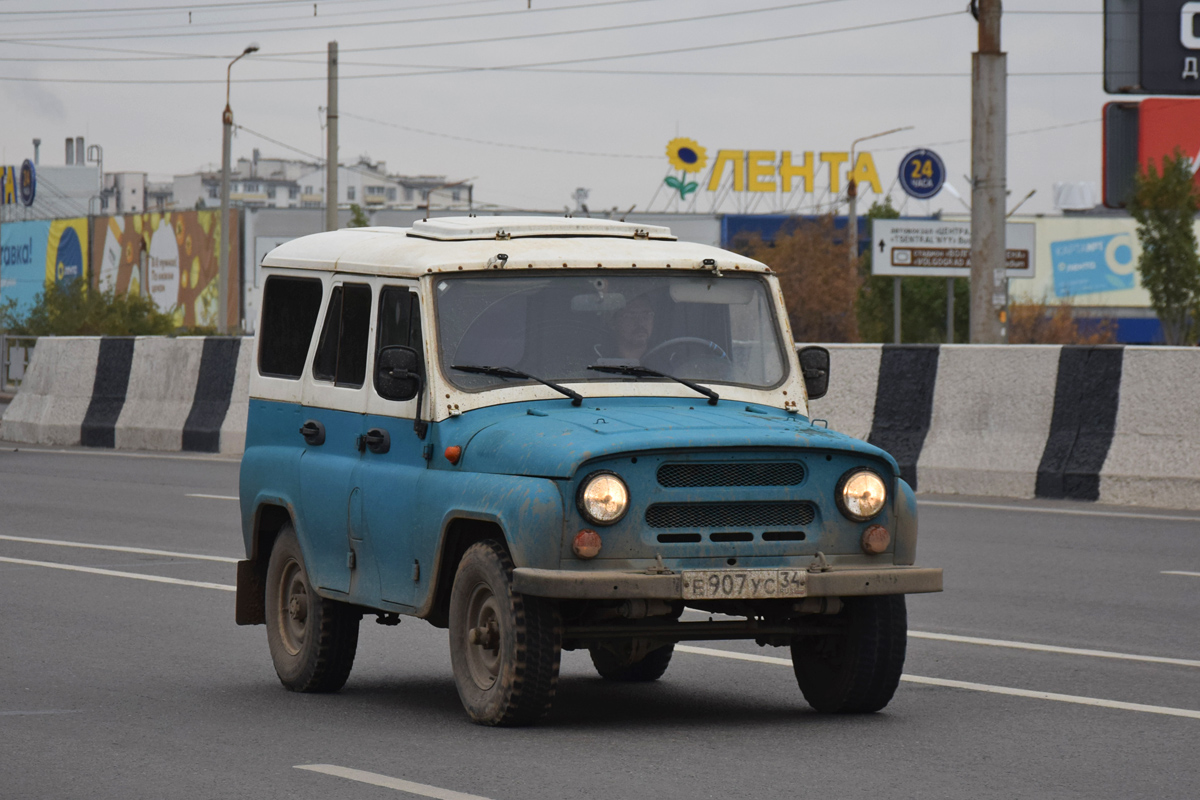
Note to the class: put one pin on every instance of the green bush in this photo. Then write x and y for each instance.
(74, 309)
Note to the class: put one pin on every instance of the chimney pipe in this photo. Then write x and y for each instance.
(80, 159)
(70, 151)
(36, 144)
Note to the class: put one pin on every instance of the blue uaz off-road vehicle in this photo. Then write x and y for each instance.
(549, 434)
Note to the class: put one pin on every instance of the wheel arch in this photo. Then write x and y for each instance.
(269, 520)
(459, 532)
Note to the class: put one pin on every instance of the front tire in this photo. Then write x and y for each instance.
(855, 671)
(312, 640)
(505, 647)
(619, 664)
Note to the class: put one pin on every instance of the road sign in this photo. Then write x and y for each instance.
(922, 174)
(938, 248)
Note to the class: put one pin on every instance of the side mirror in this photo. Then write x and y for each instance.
(396, 375)
(814, 365)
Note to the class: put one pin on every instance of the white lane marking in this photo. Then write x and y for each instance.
(89, 452)
(974, 687)
(213, 496)
(1015, 645)
(1177, 572)
(1059, 698)
(1050, 648)
(117, 548)
(387, 782)
(116, 574)
(1080, 512)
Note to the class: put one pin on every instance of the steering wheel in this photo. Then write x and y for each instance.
(712, 346)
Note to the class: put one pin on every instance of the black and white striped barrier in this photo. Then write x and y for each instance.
(1107, 423)
(141, 393)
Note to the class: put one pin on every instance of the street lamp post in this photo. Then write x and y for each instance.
(852, 224)
(223, 270)
(852, 195)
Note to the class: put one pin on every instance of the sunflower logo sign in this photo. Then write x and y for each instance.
(687, 157)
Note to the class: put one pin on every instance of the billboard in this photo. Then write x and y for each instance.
(36, 252)
(171, 257)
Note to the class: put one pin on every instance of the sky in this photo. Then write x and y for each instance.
(531, 99)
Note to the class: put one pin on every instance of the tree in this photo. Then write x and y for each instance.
(74, 309)
(818, 287)
(1165, 205)
(358, 217)
(922, 300)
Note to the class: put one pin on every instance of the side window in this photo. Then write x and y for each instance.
(290, 309)
(400, 321)
(342, 350)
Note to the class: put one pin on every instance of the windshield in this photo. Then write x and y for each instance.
(701, 328)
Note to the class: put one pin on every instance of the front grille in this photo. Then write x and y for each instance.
(729, 515)
(752, 473)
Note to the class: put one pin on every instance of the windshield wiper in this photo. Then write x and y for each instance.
(509, 372)
(646, 372)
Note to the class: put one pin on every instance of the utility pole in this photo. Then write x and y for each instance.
(331, 149)
(989, 131)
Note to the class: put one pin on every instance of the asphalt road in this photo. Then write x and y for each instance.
(114, 687)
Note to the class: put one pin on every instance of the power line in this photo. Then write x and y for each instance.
(512, 67)
(1025, 132)
(494, 143)
(539, 35)
(47, 37)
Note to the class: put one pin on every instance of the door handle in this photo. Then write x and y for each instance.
(313, 432)
(377, 440)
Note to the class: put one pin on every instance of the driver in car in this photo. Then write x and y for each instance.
(630, 331)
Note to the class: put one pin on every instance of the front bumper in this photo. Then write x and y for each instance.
(616, 585)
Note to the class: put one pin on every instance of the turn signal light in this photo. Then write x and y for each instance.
(587, 544)
(876, 539)
(453, 453)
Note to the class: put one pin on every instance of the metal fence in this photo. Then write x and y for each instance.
(15, 352)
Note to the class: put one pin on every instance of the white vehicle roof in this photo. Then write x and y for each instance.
(450, 244)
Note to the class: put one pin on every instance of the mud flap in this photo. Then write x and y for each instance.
(250, 605)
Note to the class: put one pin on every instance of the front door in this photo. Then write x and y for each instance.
(388, 480)
(334, 405)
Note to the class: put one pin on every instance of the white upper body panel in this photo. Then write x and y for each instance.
(542, 243)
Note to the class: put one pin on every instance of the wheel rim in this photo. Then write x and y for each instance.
(483, 636)
(293, 608)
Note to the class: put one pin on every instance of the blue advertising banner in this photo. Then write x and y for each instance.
(23, 261)
(1095, 264)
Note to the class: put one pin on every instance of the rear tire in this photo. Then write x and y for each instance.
(616, 664)
(505, 647)
(312, 639)
(855, 672)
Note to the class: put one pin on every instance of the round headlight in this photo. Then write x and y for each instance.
(603, 498)
(861, 494)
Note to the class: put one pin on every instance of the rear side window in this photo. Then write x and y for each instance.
(290, 309)
(342, 351)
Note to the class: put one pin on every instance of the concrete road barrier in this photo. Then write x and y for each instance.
(1105, 423)
(1154, 455)
(144, 393)
(55, 393)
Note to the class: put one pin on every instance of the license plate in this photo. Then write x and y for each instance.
(744, 584)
